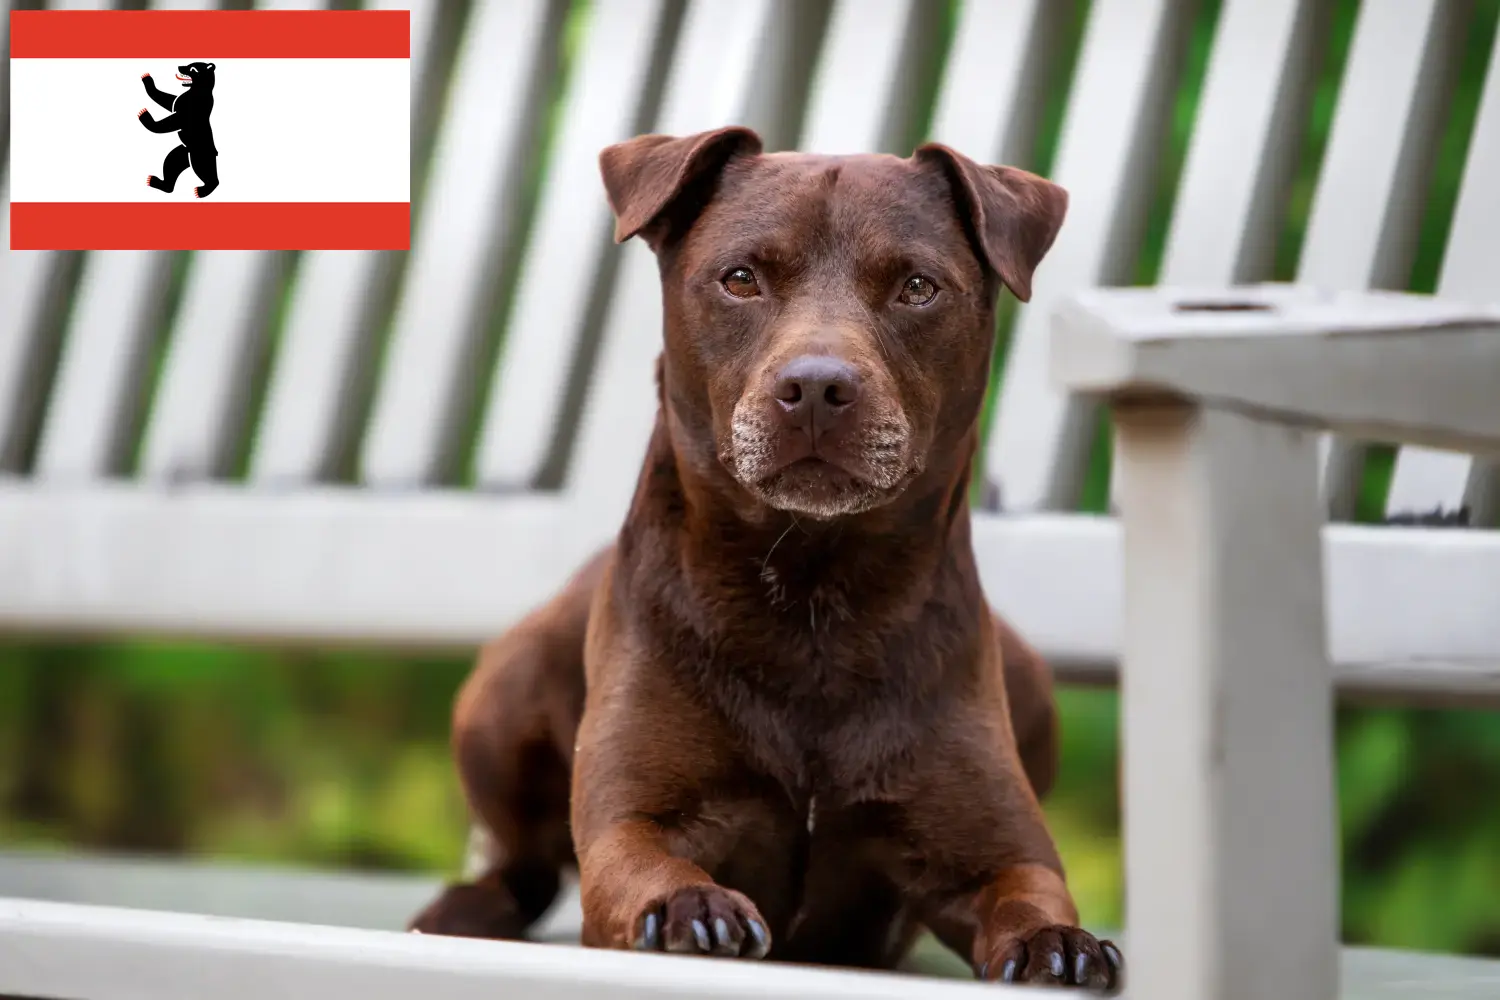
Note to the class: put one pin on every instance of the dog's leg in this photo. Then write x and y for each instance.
(1033, 709)
(991, 885)
(513, 731)
(660, 800)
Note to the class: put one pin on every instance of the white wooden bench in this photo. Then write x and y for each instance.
(439, 437)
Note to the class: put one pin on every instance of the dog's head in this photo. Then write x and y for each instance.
(829, 320)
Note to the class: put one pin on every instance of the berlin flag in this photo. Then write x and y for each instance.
(210, 130)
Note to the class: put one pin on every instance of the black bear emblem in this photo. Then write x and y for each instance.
(189, 119)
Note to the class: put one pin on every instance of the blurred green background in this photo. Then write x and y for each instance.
(340, 759)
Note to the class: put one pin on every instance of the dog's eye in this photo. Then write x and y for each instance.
(918, 290)
(741, 283)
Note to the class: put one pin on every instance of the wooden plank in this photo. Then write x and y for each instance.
(713, 79)
(1392, 365)
(1423, 478)
(35, 286)
(861, 100)
(1243, 150)
(569, 267)
(1226, 694)
(199, 416)
(339, 299)
(1364, 223)
(377, 901)
(101, 378)
(1126, 80)
(993, 88)
(1410, 610)
(144, 955)
(466, 235)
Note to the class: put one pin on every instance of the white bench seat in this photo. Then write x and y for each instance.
(159, 908)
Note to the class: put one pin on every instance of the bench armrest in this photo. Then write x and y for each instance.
(1382, 366)
(1227, 691)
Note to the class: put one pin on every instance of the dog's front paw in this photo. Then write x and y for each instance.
(703, 920)
(1058, 956)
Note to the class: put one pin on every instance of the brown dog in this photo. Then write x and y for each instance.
(784, 717)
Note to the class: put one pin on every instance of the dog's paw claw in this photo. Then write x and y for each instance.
(704, 920)
(1059, 956)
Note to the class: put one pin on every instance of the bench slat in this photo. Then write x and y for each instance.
(33, 296)
(861, 93)
(568, 271)
(1239, 161)
(328, 347)
(713, 79)
(1122, 94)
(1411, 611)
(1363, 224)
(466, 232)
(1244, 146)
(101, 375)
(135, 954)
(198, 417)
(993, 89)
(1426, 478)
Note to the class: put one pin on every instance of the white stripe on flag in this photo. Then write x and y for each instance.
(287, 130)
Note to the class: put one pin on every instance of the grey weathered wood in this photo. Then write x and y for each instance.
(712, 80)
(1122, 93)
(464, 240)
(143, 955)
(569, 267)
(100, 384)
(1424, 479)
(385, 901)
(1226, 693)
(1387, 365)
(1244, 146)
(34, 290)
(994, 85)
(861, 99)
(1250, 121)
(1410, 612)
(1364, 222)
(339, 298)
(199, 417)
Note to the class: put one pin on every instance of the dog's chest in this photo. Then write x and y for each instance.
(832, 721)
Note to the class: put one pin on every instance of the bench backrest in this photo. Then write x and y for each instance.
(511, 348)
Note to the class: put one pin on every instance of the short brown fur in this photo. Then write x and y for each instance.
(778, 714)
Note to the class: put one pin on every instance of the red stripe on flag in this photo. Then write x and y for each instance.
(224, 225)
(210, 34)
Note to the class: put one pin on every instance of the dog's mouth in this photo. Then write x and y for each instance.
(817, 487)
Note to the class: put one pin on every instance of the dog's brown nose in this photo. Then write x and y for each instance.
(815, 389)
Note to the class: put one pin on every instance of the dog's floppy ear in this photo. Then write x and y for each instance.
(1015, 214)
(643, 175)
